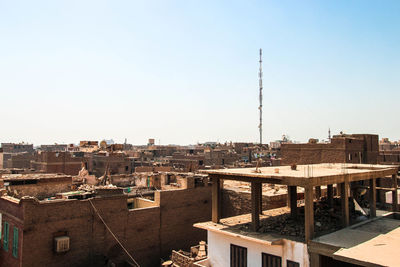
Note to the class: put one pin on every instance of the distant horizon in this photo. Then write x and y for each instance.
(186, 72)
(188, 144)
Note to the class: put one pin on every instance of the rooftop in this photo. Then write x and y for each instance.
(315, 174)
(277, 224)
(371, 243)
(35, 176)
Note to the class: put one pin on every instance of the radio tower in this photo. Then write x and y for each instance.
(260, 97)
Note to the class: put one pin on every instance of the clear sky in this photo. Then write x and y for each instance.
(187, 71)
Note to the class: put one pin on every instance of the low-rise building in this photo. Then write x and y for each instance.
(299, 234)
(354, 148)
(102, 226)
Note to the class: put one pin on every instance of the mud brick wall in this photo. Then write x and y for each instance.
(44, 187)
(13, 215)
(180, 209)
(147, 233)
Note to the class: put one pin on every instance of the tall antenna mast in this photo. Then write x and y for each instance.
(260, 97)
(329, 134)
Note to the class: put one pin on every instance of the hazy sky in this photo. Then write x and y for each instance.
(187, 71)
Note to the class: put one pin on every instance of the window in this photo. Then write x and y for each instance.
(238, 256)
(15, 243)
(269, 260)
(5, 242)
(292, 264)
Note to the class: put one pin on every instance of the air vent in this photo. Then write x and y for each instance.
(61, 244)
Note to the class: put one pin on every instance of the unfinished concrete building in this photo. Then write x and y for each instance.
(324, 232)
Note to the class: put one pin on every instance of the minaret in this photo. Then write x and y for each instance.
(260, 97)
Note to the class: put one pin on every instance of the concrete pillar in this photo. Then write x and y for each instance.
(309, 213)
(372, 197)
(216, 200)
(292, 200)
(255, 205)
(344, 198)
(330, 195)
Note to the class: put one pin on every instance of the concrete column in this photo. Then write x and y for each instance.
(330, 195)
(309, 213)
(292, 200)
(314, 260)
(216, 200)
(395, 203)
(372, 198)
(255, 205)
(344, 198)
(318, 192)
(261, 199)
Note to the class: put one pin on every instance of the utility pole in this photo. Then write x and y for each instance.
(260, 97)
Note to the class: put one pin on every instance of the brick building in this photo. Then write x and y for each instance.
(69, 232)
(9, 150)
(58, 162)
(117, 163)
(16, 148)
(354, 148)
(39, 185)
(20, 160)
(54, 148)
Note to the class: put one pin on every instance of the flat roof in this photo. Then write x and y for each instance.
(313, 174)
(233, 226)
(33, 176)
(371, 243)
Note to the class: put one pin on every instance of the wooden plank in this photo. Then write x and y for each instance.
(255, 205)
(330, 195)
(395, 203)
(372, 198)
(216, 195)
(309, 213)
(344, 198)
(292, 200)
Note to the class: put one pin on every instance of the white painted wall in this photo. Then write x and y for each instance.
(219, 250)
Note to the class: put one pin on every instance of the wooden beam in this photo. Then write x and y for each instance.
(344, 198)
(292, 200)
(395, 203)
(318, 192)
(330, 195)
(255, 205)
(309, 213)
(372, 198)
(216, 200)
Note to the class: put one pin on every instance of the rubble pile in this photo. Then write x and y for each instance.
(326, 220)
